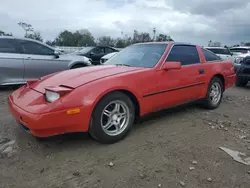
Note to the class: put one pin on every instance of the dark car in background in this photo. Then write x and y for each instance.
(242, 70)
(95, 53)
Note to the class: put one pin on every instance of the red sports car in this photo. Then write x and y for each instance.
(104, 100)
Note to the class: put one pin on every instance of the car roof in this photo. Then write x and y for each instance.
(12, 37)
(100, 46)
(27, 39)
(240, 47)
(167, 42)
(215, 47)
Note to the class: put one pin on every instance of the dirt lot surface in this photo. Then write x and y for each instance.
(161, 151)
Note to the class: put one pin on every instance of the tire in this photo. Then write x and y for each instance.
(240, 83)
(78, 66)
(111, 116)
(208, 101)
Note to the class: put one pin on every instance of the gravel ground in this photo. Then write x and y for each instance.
(171, 148)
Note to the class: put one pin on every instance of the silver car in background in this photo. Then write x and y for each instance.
(24, 59)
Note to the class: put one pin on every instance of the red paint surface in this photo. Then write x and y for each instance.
(90, 84)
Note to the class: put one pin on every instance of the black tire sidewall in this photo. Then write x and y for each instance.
(96, 130)
(208, 102)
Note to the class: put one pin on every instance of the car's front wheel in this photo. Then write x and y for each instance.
(112, 118)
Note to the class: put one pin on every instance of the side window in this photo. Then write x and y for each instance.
(210, 56)
(98, 50)
(30, 47)
(187, 55)
(109, 50)
(8, 46)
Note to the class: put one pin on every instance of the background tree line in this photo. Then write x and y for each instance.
(84, 37)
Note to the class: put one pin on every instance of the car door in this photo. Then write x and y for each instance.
(184, 84)
(96, 54)
(39, 60)
(11, 62)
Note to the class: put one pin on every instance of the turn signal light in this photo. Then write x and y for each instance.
(73, 111)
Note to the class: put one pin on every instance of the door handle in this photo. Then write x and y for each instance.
(201, 71)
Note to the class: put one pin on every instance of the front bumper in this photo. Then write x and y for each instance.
(48, 124)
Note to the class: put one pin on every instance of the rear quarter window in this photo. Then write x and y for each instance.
(210, 56)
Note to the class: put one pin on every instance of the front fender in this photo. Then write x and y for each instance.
(86, 97)
(118, 88)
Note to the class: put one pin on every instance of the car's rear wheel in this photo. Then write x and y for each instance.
(112, 118)
(214, 94)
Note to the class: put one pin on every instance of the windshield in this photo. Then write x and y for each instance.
(223, 51)
(141, 55)
(85, 49)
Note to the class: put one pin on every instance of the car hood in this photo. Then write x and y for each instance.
(78, 77)
(73, 57)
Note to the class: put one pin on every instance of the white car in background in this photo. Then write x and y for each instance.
(240, 50)
(223, 53)
(106, 57)
(240, 53)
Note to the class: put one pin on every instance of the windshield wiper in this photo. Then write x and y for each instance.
(122, 65)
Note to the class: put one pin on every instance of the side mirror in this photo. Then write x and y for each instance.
(91, 53)
(171, 65)
(56, 54)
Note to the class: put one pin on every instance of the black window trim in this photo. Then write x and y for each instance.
(165, 60)
(212, 54)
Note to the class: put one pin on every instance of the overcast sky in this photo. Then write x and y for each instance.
(196, 21)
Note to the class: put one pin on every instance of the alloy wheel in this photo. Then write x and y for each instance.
(215, 93)
(115, 118)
